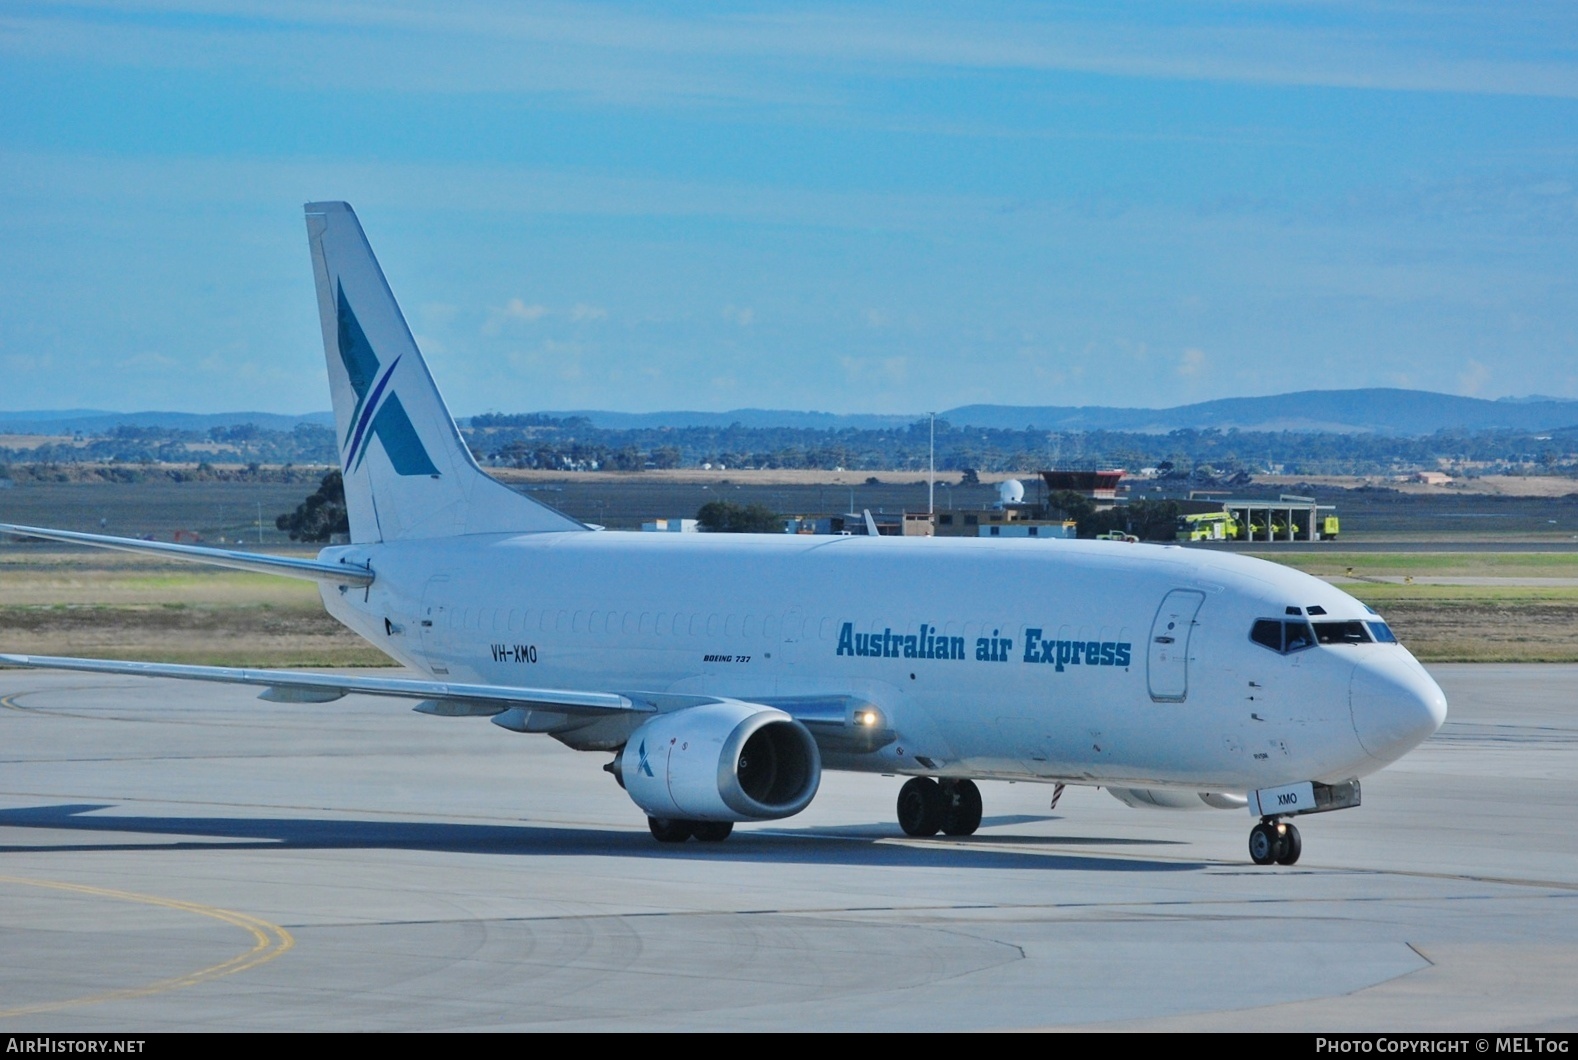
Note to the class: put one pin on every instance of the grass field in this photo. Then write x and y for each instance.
(1504, 607)
(121, 606)
(1431, 564)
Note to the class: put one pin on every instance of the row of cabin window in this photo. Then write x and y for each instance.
(748, 627)
(629, 623)
(972, 631)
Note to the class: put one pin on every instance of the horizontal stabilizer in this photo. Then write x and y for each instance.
(287, 566)
(560, 700)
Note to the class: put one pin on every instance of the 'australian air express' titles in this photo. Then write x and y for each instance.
(929, 644)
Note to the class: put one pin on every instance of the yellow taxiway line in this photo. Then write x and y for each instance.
(268, 941)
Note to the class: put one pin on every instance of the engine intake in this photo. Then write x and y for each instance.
(725, 761)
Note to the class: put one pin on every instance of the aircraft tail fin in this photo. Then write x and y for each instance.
(408, 473)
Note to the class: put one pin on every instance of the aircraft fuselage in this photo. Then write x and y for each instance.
(1088, 662)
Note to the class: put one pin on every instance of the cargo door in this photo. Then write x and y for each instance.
(792, 631)
(1167, 663)
(433, 623)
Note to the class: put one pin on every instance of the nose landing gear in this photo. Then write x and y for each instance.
(1274, 841)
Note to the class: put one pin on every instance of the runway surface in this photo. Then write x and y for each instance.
(180, 856)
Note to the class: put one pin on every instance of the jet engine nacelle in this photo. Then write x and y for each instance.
(1163, 799)
(726, 761)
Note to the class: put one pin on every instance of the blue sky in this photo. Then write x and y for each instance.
(857, 207)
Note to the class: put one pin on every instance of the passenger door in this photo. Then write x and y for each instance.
(1167, 663)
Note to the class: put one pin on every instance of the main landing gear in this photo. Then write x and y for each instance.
(674, 830)
(927, 807)
(1274, 841)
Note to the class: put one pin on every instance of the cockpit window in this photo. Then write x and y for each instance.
(1342, 632)
(1382, 632)
(1268, 633)
(1282, 635)
(1298, 636)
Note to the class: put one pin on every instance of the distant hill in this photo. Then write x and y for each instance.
(1379, 410)
(96, 421)
(816, 421)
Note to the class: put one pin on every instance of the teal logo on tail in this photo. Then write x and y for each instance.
(378, 412)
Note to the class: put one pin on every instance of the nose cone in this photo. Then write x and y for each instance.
(1395, 704)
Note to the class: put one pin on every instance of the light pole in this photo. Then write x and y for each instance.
(931, 473)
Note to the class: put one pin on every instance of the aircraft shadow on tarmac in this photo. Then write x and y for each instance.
(842, 846)
(883, 831)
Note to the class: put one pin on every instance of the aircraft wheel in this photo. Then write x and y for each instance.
(669, 829)
(961, 814)
(921, 807)
(1292, 846)
(712, 831)
(1263, 843)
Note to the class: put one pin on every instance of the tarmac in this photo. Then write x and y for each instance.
(183, 857)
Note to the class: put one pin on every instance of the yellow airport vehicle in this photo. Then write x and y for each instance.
(1208, 526)
(1288, 518)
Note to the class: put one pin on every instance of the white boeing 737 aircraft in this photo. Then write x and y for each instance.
(725, 672)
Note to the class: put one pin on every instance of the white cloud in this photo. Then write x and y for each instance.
(564, 361)
(1192, 363)
(639, 57)
(875, 371)
(149, 361)
(1472, 380)
(514, 310)
(27, 365)
(518, 310)
(581, 312)
(744, 316)
(431, 345)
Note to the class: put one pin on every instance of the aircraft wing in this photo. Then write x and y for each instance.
(838, 723)
(289, 566)
(295, 686)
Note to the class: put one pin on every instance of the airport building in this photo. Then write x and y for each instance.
(1006, 522)
(1011, 516)
(1207, 515)
(1211, 517)
(1099, 486)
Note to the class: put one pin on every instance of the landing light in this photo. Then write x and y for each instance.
(866, 718)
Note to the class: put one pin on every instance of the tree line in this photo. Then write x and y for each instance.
(574, 444)
(543, 442)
